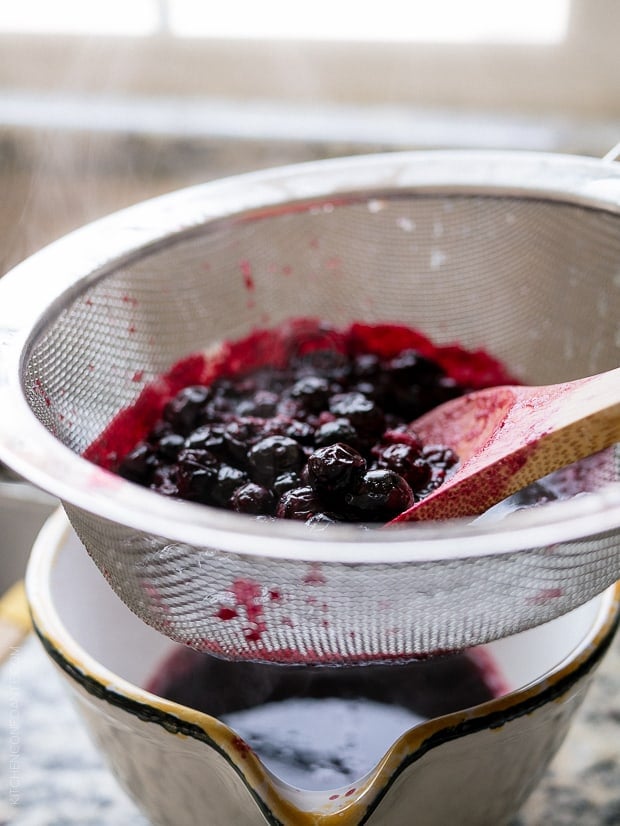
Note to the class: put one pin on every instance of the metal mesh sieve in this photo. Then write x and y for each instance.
(516, 253)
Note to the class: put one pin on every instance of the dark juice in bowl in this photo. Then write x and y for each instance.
(320, 727)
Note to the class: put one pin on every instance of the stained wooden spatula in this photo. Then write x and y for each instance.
(507, 437)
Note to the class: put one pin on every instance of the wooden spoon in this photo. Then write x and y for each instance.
(508, 437)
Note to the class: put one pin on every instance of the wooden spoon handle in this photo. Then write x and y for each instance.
(563, 423)
(596, 398)
(531, 432)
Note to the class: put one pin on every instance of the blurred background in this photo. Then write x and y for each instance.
(111, 101)
(106, 103)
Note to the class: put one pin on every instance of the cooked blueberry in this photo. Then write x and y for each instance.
(366, 365)
(280, 425)
(228, 480)
(240, 386)
(197, 483)
(196, 457)
(262, 404)
(440, 460)
(169, 446)
(412, 368)
(419, 475)
(196, 474)
(165, 481)
(402, 434)
(335, 468)
(412, 383)
(302, 432)
(160, 429)
(312, 392)
(219, 409)
(438, 477)
(273, 456)
(381, 495)
(368, 389)
(447, 388)
(208, 437)
(407, 401)
(434, 394)
(138, 466)
(298, 503)
(407, 462)
(286, 481)
(321, 519)
(252, 499)
(290, 409)
(239, 436)
(330, 364)
(365, 416)
(338, 430)
(183, 411)
(440, 456)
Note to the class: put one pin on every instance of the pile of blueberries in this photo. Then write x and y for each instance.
(324, 439)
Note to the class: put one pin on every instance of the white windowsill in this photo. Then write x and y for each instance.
(578, 76)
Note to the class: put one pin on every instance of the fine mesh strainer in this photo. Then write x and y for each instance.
(518, 253)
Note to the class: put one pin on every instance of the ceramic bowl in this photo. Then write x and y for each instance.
(184, 767)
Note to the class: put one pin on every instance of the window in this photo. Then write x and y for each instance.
(439, 21)
(555, 56)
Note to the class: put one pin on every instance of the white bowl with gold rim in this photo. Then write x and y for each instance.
(184, 767)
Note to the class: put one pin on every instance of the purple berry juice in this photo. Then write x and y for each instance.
(324, 728)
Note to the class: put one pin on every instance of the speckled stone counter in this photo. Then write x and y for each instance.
(51, 775)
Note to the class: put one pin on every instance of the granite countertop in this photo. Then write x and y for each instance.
(51, 774)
